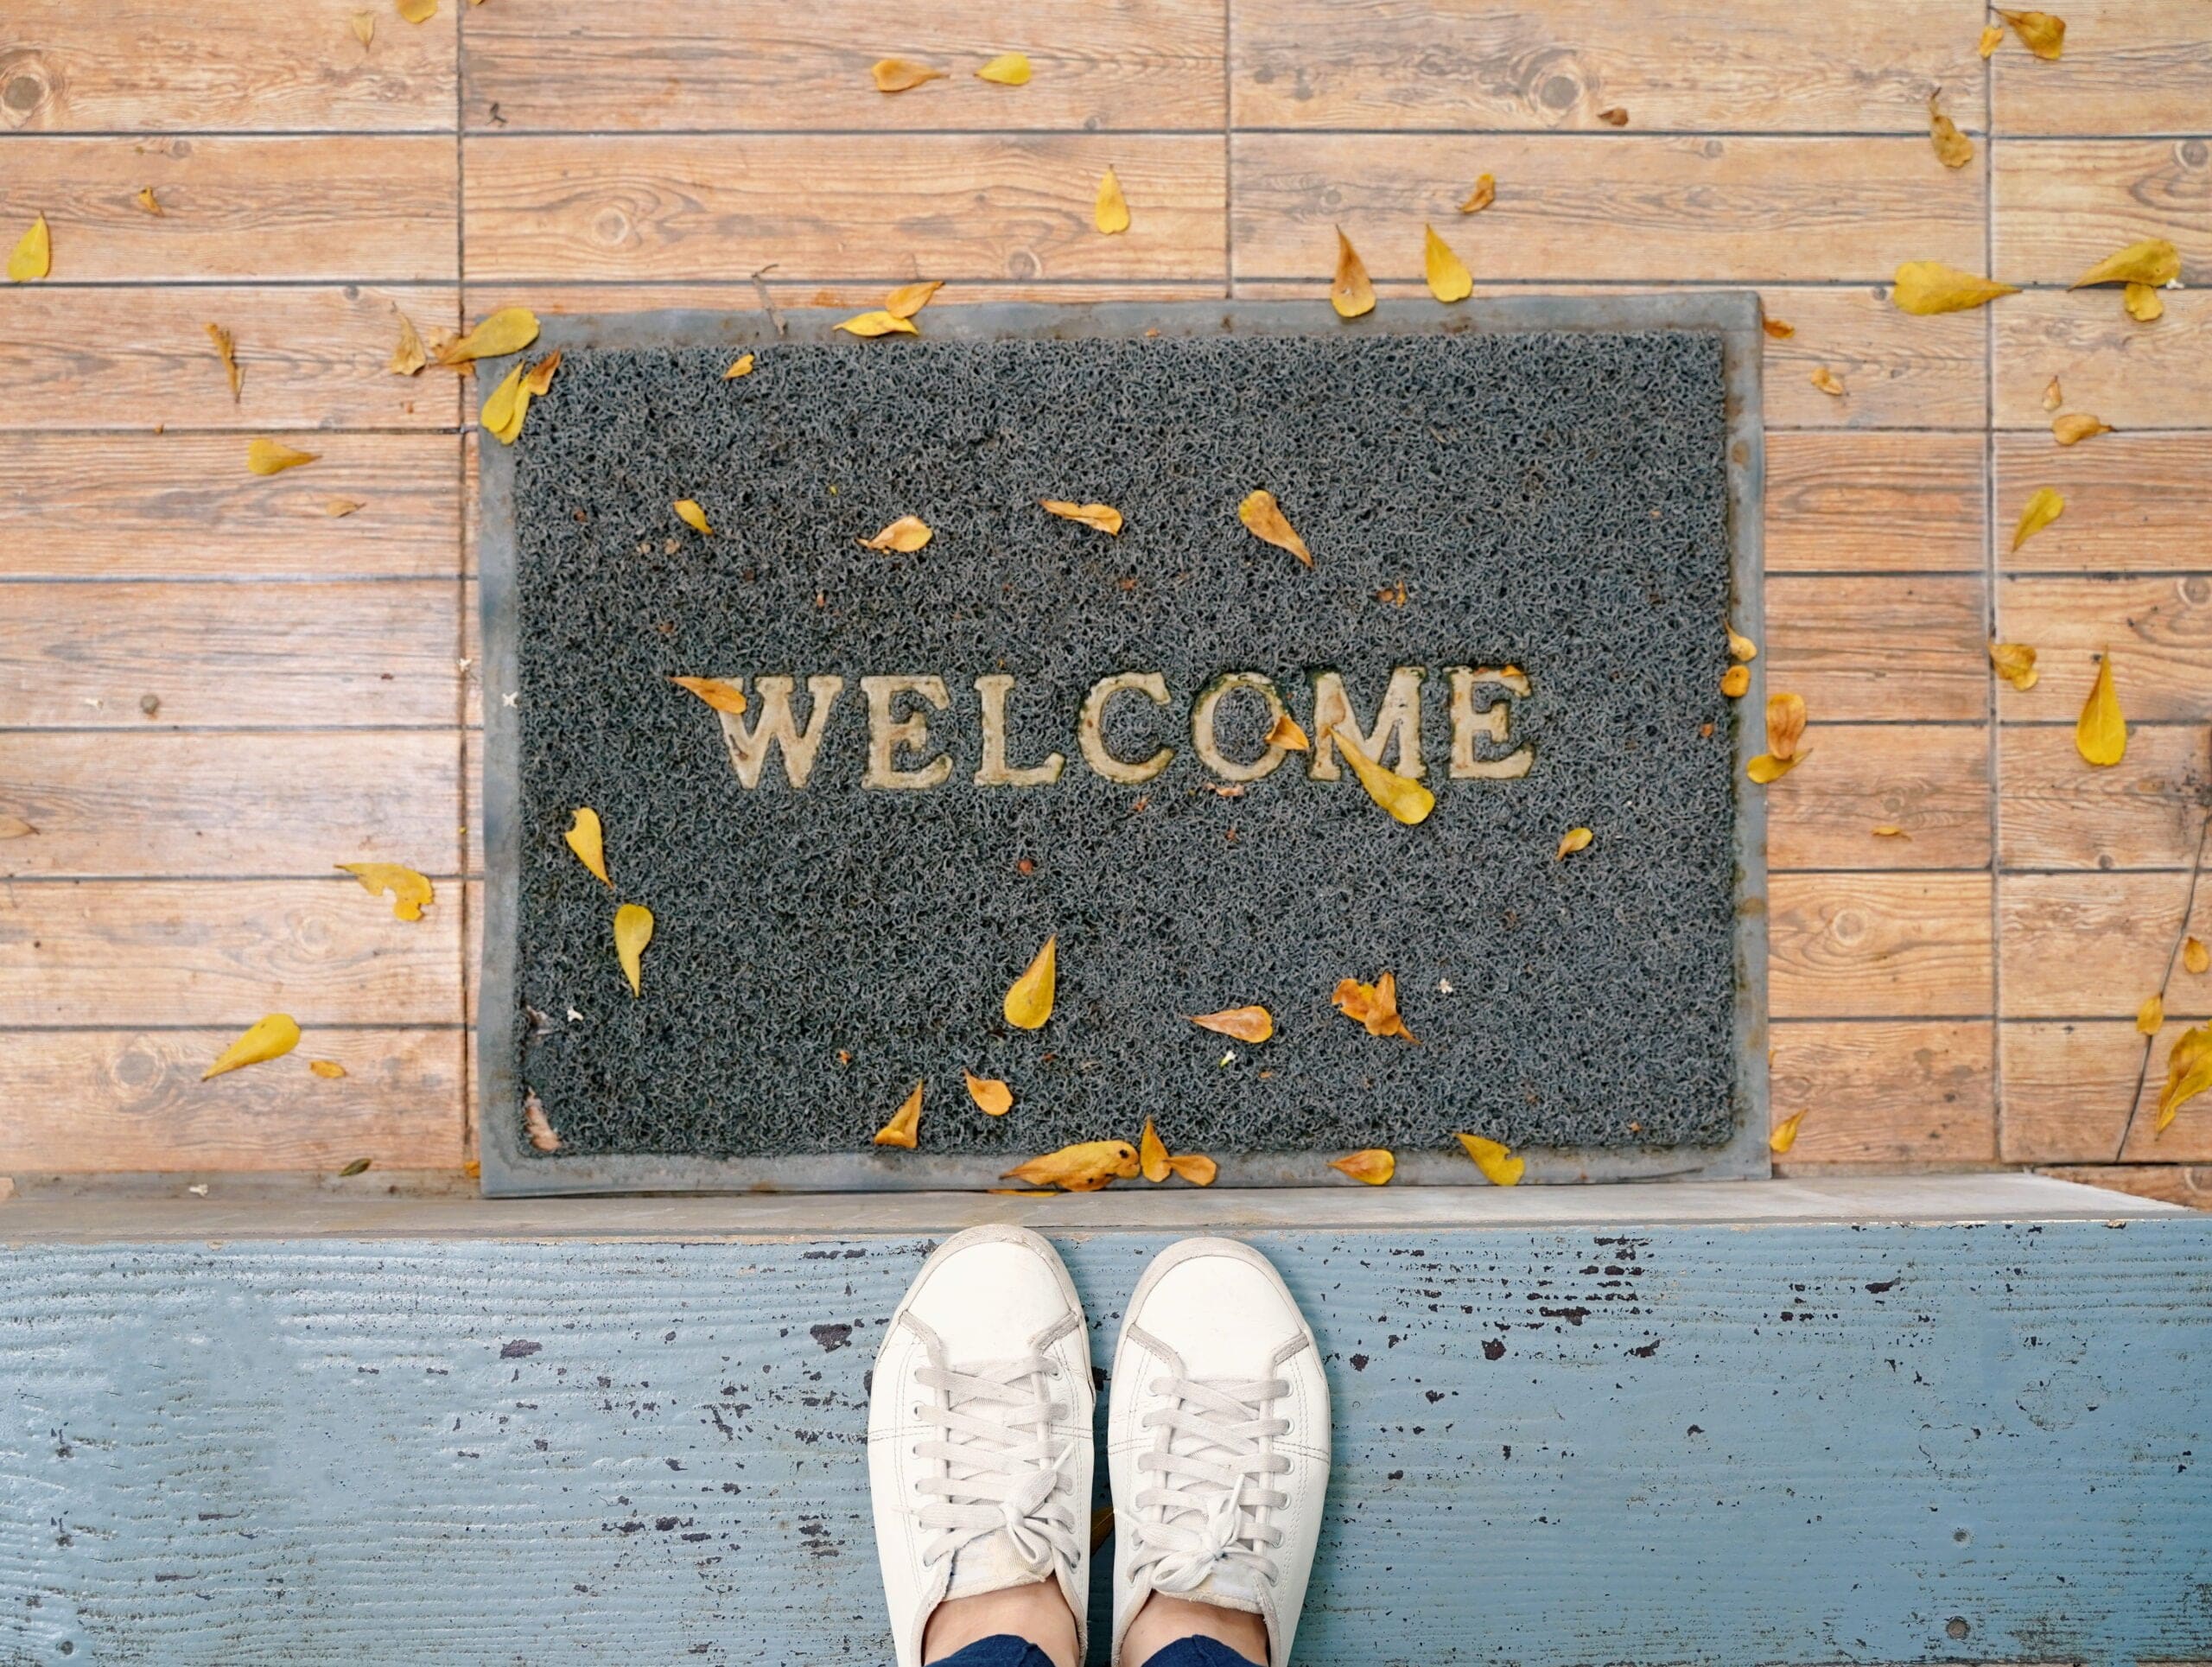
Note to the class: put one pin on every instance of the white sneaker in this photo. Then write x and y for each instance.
(1217, 1440)
(979, 1431)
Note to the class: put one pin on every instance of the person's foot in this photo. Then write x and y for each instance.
(979, 1448)
(1217, 1442)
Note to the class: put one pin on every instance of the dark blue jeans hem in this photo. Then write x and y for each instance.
(1007, 1651)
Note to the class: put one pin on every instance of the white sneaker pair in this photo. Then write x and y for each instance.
(980, 1430)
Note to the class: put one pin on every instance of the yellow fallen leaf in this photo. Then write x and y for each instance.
(993, 1097)
(1083, 1167)
(905, 535)
(2151, 1015)
(1741, 647)
(2077, 426)
(741, 366)
(1828, 382)
(410, 890)
(1953, 148)
(1991, 38)
(1447, 275)
(536, 1125)
(329, 1070)
(2195, 957)
(1351, 292)
(1925, 287)
(408, 357)
(2042, 34)
(1888, 830)
(1194, 1167)
(905, 1125)
(1373, 1166)
(34, 255)
(2043, 506)
(1246, 1024)
(1263, 518)
(1574, 839)
(1406, 800)
(688, 512)
(1785, 724)
(1007, 69)
(1484, 194)
(226, 350)
(1736, 681)
(718, 692)
(1109, 209)
(1151, 1154)
(2188, 1072)
(1767, 768)
(358, 1167)
(1029, 999)
(1613, 117)
(1285, 733)
(910, 298)
(147, 200)
(2143, 304)
(1785, 1134)
(1104, 517)
(2153, 261)
(269, 457)
(417, 11)
(877, 323)
(501, 416)
(338, 508)
(506, 331)
(365, 26)
(2052, 399)
(2100, 733)
(540, 378)
(633, 930)
(2015, 664)
(269, 1037)
(1375, 1006)
(587, 839)
(900, 75)
(1778, 328)
(1499, 1166)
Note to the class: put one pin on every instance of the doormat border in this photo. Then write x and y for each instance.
(512, 1171)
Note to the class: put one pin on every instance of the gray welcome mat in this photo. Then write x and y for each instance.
(1531, 523)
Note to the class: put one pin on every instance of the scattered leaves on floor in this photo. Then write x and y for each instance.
(1372, 1167)
(358, 1167)
(1151, 1154)
(365, 26)
(509, 330)
(905, 535)
(1109, 209)
(1785, 1134)
(1447, 275)
(410, 892)
(1083, 1167)
(1285, 733)
(1406, 800)
(226, 350)
(266, 456)
(329, 1070)
(633, 930)
(2100, 733)
(1991, 38)
(1351, 292)
(910, 298)
(2077, 426)
(1263, 518)
(1736, 681)
(2195, 957)
(1828, 382)
(1104, 517)
(2041, 32)
(2015, 664)
(2153, 261)
(1779, 329)
(1484, 194)
(1926, 287)
(877, 323)
(1888, 830)
(993, 1097)
(269, 1037)
(408, 357)
(587, 839)
(2143, 304)
(147, 200)
(1195, 1168)
(34, 255)
(1375, 1006)
(902, 75)
(1029, 999)
(2043, 506)
(417, 11)
(535, 1126)
(338, 508)
(1953, 148)
(718, 692)
(1615, 116)
(2188, 1072)
(1574, 839)
(509, 402)
(741, 366)
(1741, 647)
(2151, 1017)
(1499, 1166)
(1007, 69)
(2052, 397)
(905, 1128)
(1246, 1024)
(688, 512)
(1785, 727)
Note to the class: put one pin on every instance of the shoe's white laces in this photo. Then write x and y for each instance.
(1212, 1456)
(996, 1462)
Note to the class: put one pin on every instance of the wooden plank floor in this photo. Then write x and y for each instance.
(212, 691)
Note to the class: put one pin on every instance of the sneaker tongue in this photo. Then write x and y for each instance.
(988, 1564)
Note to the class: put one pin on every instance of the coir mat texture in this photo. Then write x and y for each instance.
(1527, 548)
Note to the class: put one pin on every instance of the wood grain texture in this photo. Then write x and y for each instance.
(153, 65)
(341, 655)
(2172, 1183)
(224, 805)
(2158, 632)
(2134, 502)
(2062, 206)
(2094, 946)
(2135, 376)
(663, 65)
(77, 952)
(1879, 946)
(2130, 66)
(140, 358)
(1886, 1093)
(1930, 780)
(1672, 64)
(132, 1100)
(243, 210)
(2060, 812)
(107, 506)
(2067, 1089)
(1601, 205)
(1871, 503)
(1890, 649)
(949, 206)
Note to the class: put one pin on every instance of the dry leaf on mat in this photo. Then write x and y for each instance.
(633, 930)
(1285, 733)
(879, 323)
(1406, 800)
(1574, 839)
(1263, 518)
(741, 366)
(1246, 1024)
(688, 512)
(1029, 999)
(1375, 1006)
(1374, 1166)
(905, 1125)
(1104, 517)
(1736, 681)
(993, 1097)
(1499, 1166)
(410, 891)
(905, 535)
(1083, 1167)
(718, 692)
(537, 1127)
(588, 841)
(2100, 733)
(910, 298)
(267, 1038)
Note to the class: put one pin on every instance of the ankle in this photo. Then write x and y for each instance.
(1036, 1611)
(1163, 1620)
